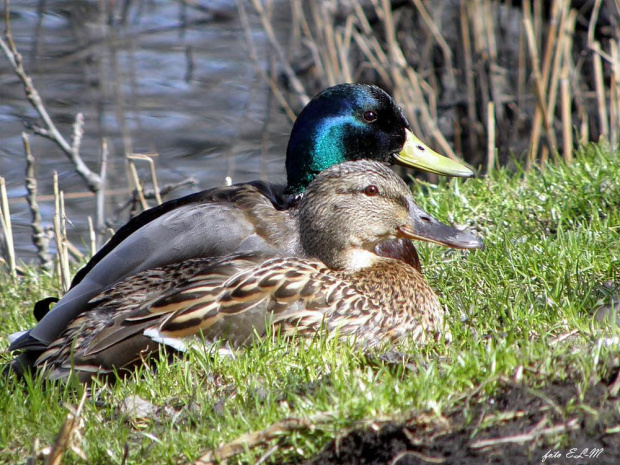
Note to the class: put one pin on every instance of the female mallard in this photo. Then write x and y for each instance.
(337, 282)
(345, 122)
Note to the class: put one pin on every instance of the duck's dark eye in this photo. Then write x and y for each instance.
(371, 190)
(370, 116)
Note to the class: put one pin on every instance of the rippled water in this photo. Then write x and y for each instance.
(174, 80)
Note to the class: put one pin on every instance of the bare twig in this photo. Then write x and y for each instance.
(540, 87)
(204, 7)
(78, 133)
(499, 90)
(564, 30)
(567, 126)
(432, 126)
(535, 433)
(469, 77)
(396, 54)
(137, 184)
(256, 438)
(5, 219)
(149, 159)
(323, 21)
(257, 66)
(171, 187)
(39, 237)
(63, 257)
(69, 436)
(593, 20)
(49, 129)
(614, 94)
(101, 193)
(370, 55)
(296, 84)
(434, 29)
(599, 85)
(93, 236)
(522, 68)
(565, 92)
(410, 453)
(491, 137)
(482, 52)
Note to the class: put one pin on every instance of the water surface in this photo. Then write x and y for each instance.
(155, 77)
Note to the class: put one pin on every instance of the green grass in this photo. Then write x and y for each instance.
(521, 312)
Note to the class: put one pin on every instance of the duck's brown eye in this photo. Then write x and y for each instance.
(370, 116)
(371, 190)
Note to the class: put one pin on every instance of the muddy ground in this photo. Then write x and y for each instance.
(554, 424)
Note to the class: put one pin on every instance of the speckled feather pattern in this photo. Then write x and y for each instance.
(343, 123)
(232, 299)
(347, 290)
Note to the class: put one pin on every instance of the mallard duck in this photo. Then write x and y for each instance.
(337, 283)
(344, 122)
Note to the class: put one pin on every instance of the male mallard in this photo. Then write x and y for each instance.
(345, 288)
(344, 122)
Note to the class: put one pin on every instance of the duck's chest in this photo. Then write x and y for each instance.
(399, 302)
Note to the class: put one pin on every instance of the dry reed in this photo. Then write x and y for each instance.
(7, 228)
(60, 231)
(149, 159)
(418, 51)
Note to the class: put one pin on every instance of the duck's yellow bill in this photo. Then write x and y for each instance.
(416, 154)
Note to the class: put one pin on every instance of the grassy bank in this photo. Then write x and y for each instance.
(530, 367)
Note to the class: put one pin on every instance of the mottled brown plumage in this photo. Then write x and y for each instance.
(341, 286)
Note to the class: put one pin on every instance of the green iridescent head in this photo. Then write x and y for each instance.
(351, 122)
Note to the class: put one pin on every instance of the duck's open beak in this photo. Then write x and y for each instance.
(416, 154)
(424, 227)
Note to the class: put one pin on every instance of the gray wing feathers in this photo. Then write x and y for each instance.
(190, 231)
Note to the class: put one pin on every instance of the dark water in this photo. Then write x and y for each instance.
(151, 77)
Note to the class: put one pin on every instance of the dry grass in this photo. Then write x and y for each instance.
(446, 65)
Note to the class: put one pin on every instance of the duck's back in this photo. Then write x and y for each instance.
(244, 217)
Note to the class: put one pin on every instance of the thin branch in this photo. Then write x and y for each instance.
(167, 188)
(540, 87)
(49, 129)
(296, 84)
(252, 51)
(534, 434)
(63, 257)
(593, 20)
(69, 436)
(410, 453)
(100, 194)
(490, 136)
(149, 159)
(439, 38)
(78, 133)
(266, 435)
(5, 220)
(599, 85)
(39, 237)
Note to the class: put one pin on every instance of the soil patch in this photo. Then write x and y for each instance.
(518, 425)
